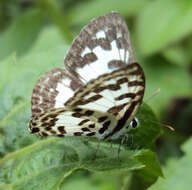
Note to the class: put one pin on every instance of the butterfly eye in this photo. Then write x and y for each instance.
(134, 123)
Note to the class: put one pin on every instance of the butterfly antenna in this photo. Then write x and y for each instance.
(169, 127)
(164, 125)
(153, 95)
(159, 123)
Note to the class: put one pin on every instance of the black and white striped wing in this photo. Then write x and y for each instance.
(50, 116)
(102, 46)
(118, 93)
(103, 108)
(71, 122)
(111, 93)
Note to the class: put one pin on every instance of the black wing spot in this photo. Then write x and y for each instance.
(90, 134)
(105, 127)
(35, 130)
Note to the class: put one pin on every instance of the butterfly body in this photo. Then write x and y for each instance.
(99, 91)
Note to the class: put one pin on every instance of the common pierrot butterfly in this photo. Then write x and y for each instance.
(99, 90)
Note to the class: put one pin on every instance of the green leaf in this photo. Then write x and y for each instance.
(146, 135)
(177, 172)
(55, 159)
(178, 55)
(163, 22)
(42, 57)
(173, 81)
(21, 34)
(49, 38)
(95, 181)
(97, 8)
(143, 178)
(52, 9)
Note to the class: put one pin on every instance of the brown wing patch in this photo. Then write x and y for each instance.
(45, 91)
(100, 32)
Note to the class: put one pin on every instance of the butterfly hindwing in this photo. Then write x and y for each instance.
(52, 90)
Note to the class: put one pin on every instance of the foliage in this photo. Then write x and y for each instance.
(176, 169)
(34, 38)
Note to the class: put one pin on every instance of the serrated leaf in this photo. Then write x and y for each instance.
(163, 22)
(46, 166)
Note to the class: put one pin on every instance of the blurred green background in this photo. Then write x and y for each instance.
(35, 37)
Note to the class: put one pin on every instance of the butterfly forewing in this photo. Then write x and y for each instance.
(103, 45)
(118, 93)
(112, 93)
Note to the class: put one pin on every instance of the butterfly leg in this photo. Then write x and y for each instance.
(111, 145)
(97, 149)
(132, 144)
(123, 140)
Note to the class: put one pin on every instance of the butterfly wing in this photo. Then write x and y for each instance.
(71, 122)
(52, 90)
(118, 93)
(113, 92)
(92, 112)
(102, 46)
(103, 108)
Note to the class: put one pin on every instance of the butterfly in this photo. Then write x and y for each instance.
(98, 92)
